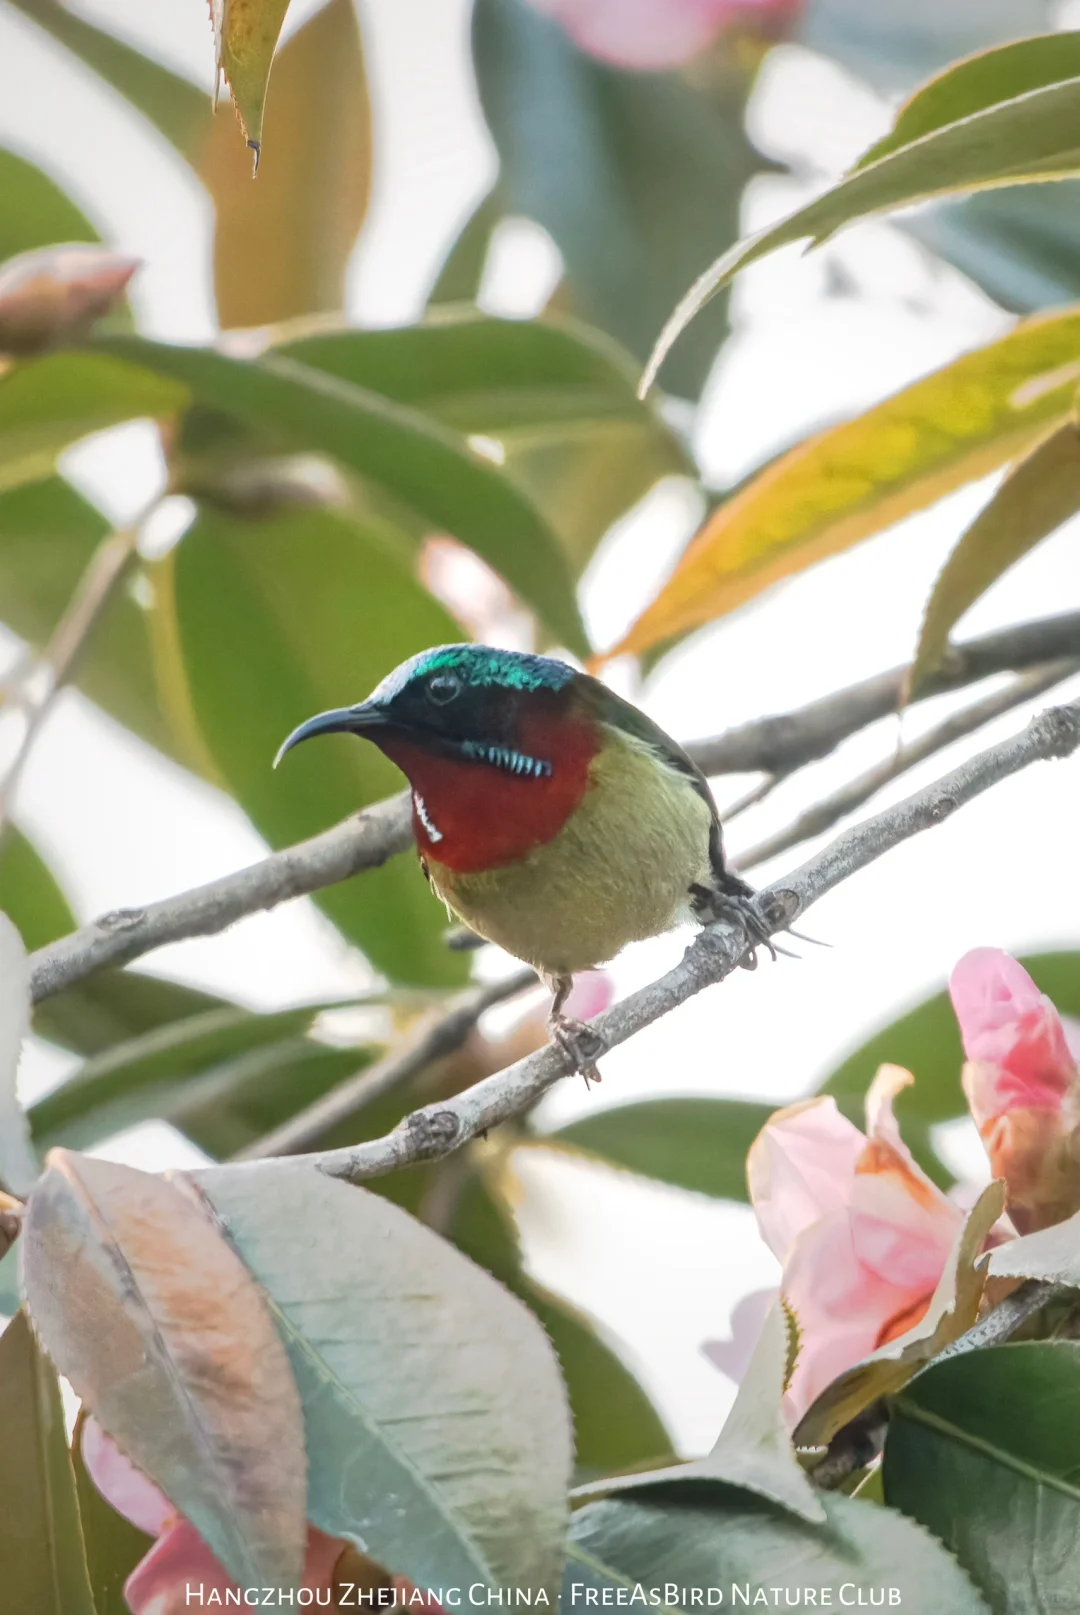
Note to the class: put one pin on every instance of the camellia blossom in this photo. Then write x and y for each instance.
(1022, 1084)
(657, 34)
(862, 1233)
(164, 1580)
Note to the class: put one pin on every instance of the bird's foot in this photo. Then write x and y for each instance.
(736, 902)
(581, 1045)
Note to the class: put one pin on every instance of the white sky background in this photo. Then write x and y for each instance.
(660, 1268)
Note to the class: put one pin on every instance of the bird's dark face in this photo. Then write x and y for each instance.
(491, 742)
(457, 701)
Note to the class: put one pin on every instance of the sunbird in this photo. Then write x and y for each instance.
(551, 816)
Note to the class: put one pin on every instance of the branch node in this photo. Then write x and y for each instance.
(943, 809)
(432, 1133)
(1062, 728)
(122, 919)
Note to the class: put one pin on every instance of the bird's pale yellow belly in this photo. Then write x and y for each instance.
(617, 872)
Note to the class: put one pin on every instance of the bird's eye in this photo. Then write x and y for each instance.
(443, 687)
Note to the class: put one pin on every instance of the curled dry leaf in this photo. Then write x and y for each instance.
(165, 1335)
(55, 294)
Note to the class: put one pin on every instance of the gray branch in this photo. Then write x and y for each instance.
(436, 1130)
(777, 744)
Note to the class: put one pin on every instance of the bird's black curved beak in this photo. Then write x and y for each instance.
(358, 720)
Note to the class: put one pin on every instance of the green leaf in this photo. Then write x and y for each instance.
(753, 1451)
(718, 1536)
(926, 1041)
(149, 1312)
(982, 1450)
(281, 246)
(245, 37)
(29, 895)
(34, 212)
(262, 624)
(113, 1545)
(172, 104)
(19, 1168)
(479, 374)
(1022, 247)
(437, 1431)
(450, 485)
(615, 1424)
(191, 1065)
(48, 403)
(697, 1144)
(1012, 141)
(852, 480)
(1040, 493)
(48, 533)
(462, 271)
(41, 1544)
(636, 176)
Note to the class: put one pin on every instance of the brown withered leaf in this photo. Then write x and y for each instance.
(167, 1338)
(281, 246)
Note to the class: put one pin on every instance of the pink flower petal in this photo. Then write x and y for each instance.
(801, 1166)
(121, 1484)
(639, 33)
(1013, 1032)
(180, 1573)
(593, 992)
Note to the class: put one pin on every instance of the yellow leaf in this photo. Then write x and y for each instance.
(245, 35)
(281, 245)
(1039, 494)
(841, 486)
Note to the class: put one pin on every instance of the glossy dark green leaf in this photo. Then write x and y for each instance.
(424, 465)
(113, 1545)
(636, 176)
(615, 1424)
(982, 1449)
(1038, 495)
(926, 1041)
(437, 1431)
(172, 104)
(698, 1144)
(48, 403)
(48, 533)
(41, 1545)
(34, 212)
(263, 624)
(717, 1536)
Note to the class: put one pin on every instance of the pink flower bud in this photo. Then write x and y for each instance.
(55, 294)
(657, 34)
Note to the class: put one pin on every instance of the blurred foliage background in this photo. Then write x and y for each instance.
(325, 496)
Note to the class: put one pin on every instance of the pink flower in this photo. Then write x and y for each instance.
(861, 1231)
(1022, 1085)
(181, 1559)
(657, 34)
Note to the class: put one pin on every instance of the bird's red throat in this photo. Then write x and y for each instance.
(472, 816)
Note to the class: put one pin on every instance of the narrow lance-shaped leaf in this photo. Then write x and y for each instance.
(855, 479)
(1032, 136)
(281, 246)
(41, 1542)
(18, 1163)
(163, 1333)
(245, 37)
(1040, 493)
(436, 1420)
(34, 212)
(430, 469)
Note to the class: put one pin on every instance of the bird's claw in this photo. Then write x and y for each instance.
(580, 1043)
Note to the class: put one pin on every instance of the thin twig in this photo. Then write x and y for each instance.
(104, 572)
(438, 1034)
(368, 839)
(838, 804)
(781, 744)
(436, 1130)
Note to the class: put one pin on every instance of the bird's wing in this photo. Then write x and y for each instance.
(619, 714)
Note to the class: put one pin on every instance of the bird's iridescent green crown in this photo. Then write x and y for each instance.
(479, 666)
